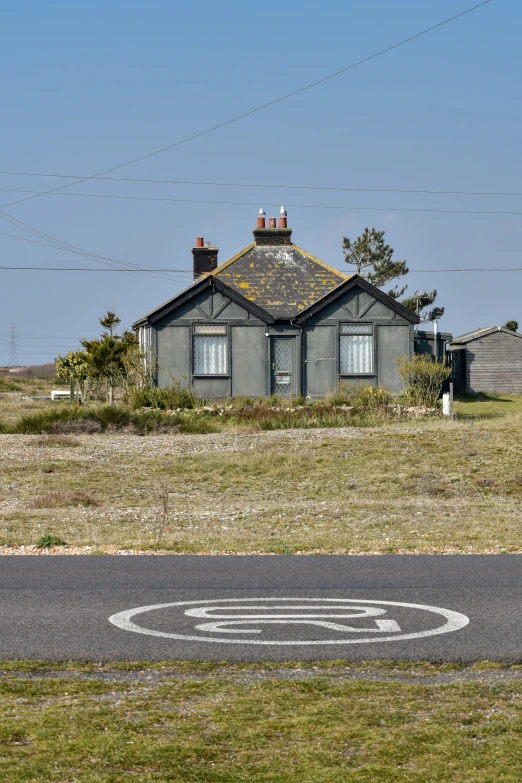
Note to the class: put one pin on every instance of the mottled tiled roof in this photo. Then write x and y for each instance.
(282, 279)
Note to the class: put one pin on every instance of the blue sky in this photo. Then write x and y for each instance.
(87, 86)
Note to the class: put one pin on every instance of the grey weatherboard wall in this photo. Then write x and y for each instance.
(246, 359)
(392, 337)
(488, 361)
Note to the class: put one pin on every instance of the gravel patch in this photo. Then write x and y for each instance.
(372, 674)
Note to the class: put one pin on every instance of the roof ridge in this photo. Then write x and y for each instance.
(482, 332)
(321, 263)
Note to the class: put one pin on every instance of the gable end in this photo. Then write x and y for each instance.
(358, 282)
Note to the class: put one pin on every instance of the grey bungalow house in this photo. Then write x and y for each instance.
(275, 320)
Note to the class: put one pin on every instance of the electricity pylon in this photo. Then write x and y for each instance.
(13, 353)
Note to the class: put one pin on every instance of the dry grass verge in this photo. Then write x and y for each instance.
(64, 499)
(430, 487)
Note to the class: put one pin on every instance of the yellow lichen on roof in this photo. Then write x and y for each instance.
(282, 279)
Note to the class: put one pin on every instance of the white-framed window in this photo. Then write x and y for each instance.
(210, 350)
(356, 349)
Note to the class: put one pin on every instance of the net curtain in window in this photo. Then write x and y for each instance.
(210, 350)
(356, 349)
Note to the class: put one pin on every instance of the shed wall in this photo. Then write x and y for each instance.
(494, 364)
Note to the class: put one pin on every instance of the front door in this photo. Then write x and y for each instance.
(283, 363)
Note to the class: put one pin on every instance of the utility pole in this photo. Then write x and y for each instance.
(13, 353)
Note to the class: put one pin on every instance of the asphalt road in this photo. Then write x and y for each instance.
(435, 608)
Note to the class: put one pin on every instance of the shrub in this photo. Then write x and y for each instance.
(169, 398)
(344, 394)
(423, 378)
(48, 541)
(370, 397)
(355, 396)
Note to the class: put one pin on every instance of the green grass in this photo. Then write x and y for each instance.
(229, 724)
(487, 406)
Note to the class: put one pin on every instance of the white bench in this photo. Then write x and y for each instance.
(58, 394)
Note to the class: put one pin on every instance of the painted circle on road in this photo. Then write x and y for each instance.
(236, 620)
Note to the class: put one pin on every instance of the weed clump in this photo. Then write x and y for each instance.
(49, 541)
(64, 499)
(358, 396)
(170, 398)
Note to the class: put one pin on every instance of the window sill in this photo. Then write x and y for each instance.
(357, 375)
(210, 375)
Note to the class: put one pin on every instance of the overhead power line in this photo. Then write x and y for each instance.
(427, 191)
(65, 245)
(470, 269)
(265, 105)
(79, 269)
(189, 275)
(273, 204)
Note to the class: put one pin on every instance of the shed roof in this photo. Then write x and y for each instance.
(484, 332)
(284, 280)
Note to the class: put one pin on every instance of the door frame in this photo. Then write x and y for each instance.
(295, 385)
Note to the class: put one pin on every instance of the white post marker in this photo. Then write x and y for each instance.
(447, 404)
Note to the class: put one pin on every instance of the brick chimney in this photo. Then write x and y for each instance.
(273, 235)
(204, 258)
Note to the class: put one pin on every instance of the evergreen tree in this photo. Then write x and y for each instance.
(109, 322)
(373, 260)
(108, 356)
(511, 325)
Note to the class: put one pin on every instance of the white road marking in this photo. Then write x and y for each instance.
(382, 625)
(454, 621)
(289, 619)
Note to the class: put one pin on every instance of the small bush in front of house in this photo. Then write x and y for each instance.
(357, 396)
(345, 394)
(371, 397)
(170, 398)
(423, 378)
(49, 541)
